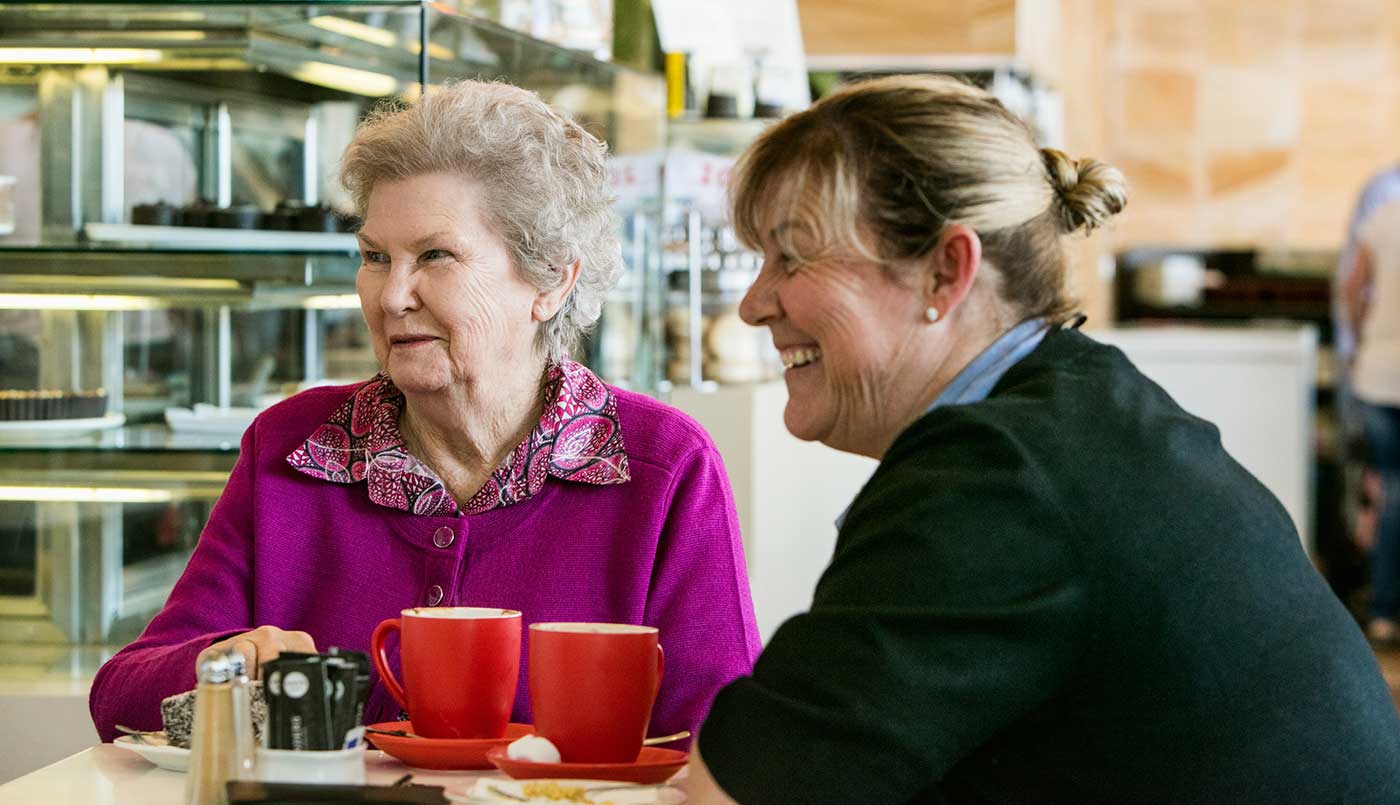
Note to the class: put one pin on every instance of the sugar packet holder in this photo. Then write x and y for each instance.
(315, 701)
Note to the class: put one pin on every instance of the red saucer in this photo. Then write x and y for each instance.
(442, 753)
(653, 765)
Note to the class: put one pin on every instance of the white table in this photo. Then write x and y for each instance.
(107, 775)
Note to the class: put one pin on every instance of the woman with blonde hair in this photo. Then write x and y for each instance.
(1057, 586)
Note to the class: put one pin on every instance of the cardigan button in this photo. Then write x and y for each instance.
(434, 595)
(444, 536)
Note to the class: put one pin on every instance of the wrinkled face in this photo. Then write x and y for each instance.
(845, 329)
(443, 301)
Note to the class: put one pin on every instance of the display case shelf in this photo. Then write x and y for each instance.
(186, 280)
(154, 439)
(201, 239)
(95, 534)
(314, 50)
(105, 106)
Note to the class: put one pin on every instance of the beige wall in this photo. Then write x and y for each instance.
(1077, 67)
(1249, 122)
(907, 27)
(1239, 123)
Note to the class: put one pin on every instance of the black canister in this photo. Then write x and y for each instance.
(722, 106)
(200, 213)
(158, 214)
(767, 109)
(319, 218)
(287, 216)
(237, 216)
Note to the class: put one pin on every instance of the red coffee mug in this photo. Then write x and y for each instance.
(460, 668)
(592, 686)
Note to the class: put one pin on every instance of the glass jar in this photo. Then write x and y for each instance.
(731, 351)
(7, 205)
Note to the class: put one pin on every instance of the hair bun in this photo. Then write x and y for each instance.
(1087, 192)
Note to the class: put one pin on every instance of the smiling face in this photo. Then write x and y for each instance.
(443, 301)
(850, 336)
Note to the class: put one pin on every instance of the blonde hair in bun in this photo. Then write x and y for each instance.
(1088, 192)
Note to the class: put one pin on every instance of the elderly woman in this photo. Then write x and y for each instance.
(1057, 586)
(481, 467)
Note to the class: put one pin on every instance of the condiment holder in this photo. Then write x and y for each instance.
(310, 705)
(343, 766)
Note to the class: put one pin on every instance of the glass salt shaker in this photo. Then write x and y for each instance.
(243, 742)
(213, 753)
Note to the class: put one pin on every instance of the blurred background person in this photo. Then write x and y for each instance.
(1370, 301)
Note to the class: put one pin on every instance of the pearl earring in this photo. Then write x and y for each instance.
(931, 314)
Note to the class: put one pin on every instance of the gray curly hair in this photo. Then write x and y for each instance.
(545, 177)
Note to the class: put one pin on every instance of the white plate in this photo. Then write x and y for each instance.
(162, 754)
(21, 429)
(211, 420)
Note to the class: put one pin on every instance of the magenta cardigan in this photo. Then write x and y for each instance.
(285, 549)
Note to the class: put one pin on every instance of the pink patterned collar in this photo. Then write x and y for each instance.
(577, 439)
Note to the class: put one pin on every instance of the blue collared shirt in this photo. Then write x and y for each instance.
(978, 378)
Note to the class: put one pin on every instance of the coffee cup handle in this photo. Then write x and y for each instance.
(381, 659)
(660, 667)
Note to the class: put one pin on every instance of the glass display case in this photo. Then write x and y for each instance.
(178, 255)
(685, 319)
(705, 268)
(706, 273)
(94, 530)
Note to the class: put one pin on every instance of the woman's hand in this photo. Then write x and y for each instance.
(699, 786)
(262, 644)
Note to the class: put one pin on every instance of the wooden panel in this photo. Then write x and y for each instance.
(1158, 102)
(1253, 33)
(1289, 106)
(1237, 122)
(908, 27)
(1079, 56)
(1168, 33)
(1243, 109)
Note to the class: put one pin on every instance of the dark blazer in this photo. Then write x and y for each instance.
(1068, 592)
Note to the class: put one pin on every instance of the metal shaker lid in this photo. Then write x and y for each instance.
(238, 665)
(216, 667)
